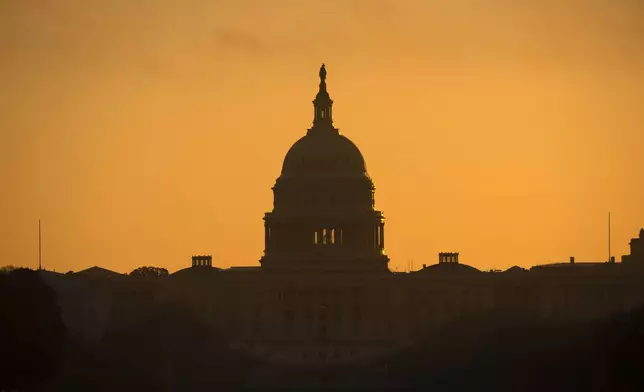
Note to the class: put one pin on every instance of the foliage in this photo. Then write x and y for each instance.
(7, 268)
(149, 272)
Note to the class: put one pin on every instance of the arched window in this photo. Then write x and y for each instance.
(324, 236)
(333, 236)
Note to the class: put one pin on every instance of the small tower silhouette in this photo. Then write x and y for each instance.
(202, 261)
(448, 257)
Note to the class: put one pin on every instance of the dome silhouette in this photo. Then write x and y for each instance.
(320, 153)
(324, 214)
(450, 268)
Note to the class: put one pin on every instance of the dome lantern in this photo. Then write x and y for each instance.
(323, 107)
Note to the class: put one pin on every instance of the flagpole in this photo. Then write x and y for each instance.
(39, 247)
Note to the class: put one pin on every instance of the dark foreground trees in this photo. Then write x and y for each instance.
(149, 272)
(158, 343)
(155, 346)
(148, 345)
(32, 333)
(512, 352)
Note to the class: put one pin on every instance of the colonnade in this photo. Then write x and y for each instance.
(361, 236)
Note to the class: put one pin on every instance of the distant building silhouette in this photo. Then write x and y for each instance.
(324, 293)
(637, 251)
(202, 261)
(447, 258)
(98, 272)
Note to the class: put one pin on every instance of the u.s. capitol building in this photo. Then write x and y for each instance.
(323, 293)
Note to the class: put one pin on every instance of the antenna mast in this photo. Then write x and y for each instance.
(609, 259)
(39, 248)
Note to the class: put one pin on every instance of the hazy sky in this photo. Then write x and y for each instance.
(143, 132)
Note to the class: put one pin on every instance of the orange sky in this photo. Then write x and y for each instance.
(143, 132)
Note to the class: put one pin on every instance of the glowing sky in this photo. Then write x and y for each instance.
(143, 132)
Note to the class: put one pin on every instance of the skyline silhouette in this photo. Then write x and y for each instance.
(460, 210)
(488, 116)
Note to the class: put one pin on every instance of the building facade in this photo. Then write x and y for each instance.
(324, 294)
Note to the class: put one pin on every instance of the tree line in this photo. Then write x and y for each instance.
(165, 345)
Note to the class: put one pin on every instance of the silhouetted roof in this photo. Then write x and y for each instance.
(449, 268)
(243, 269)
(195, 271)
(45, 272)
(98, 272)
(585, 264)
(574, 268)
(515, 269)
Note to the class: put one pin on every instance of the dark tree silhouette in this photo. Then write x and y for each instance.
(32, 333)
(510, 352)
(149, 272)
(7, 268)
(155, 345)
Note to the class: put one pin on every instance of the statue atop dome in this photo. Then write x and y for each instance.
(322, 73)
(323, 103)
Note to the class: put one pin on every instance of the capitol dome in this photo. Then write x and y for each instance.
(319, 153)
(324, 214)
(323, 151)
